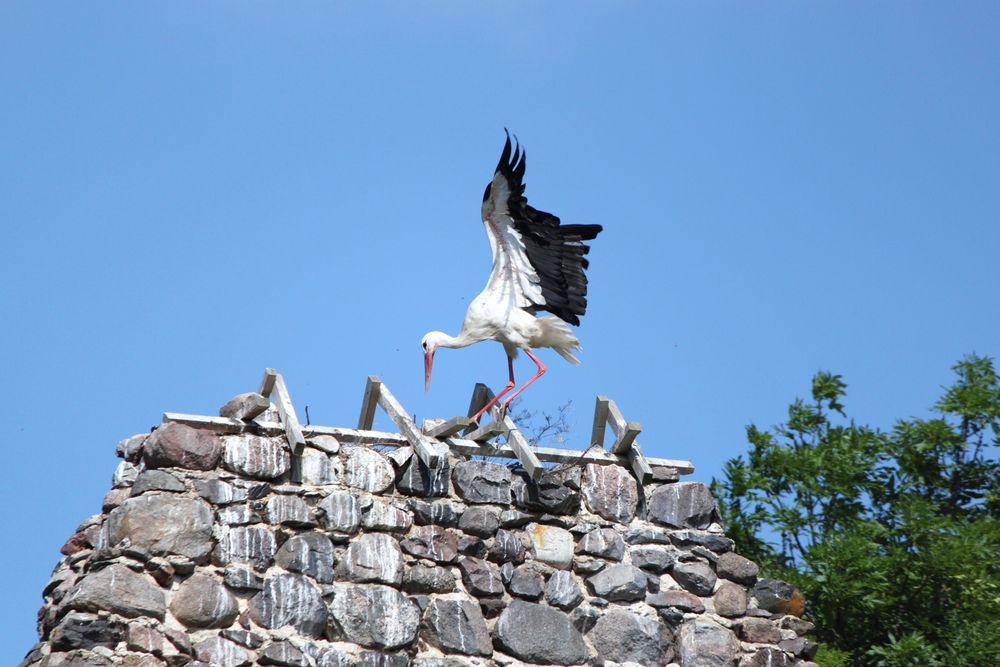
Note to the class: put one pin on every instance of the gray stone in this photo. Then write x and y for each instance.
(653, 558)
(682, 600)
(367, 469)
(242, 579)
(551, 493)
(527, 581)
(289, 599)
(156, 480)
(245, 406)
(79, 630)
(539, 634)
(695, 576)
(641, 535)
(603, 542)
(622, 636)
(711, 541)
(289, 511)
(768, 657)
(424, 579)
(436, 513)
(162, 524)
(383, 515)
(130, 449)
(433, 542)
(454, 624)
(552, 546)
(256, 457)
(799, 646)
(479, 521)
(239, 515)
(178, 446)
(705, 643)
(316, 468)
(324, 443)
(379, 659)
(515, 519)
(419, 480)
(506, 547)
(308, 553)
(375, 616)
(243, 637)
(203, 602)
(481, 578)
(759, 631)
(220, 652)
(563, 591)
(586, 566)
(254, 545)
(218, 492)
(610, 492)
(796, 625)
(341, 512)
(730, 600)
(779, 597)
(119, 590)
(683, 505)
(283, 653)
(472, 546)
(372, 557)
(619, 583)
(482, 482)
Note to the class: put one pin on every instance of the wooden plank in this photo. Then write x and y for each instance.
(449, 428)
(553, 455)
(484, 433)
(481, 395)
(372, 390)
(640, 467)
(523, 450)
(225, 425)
(398, 415)
(600, 422)
(267, 382)
(625, 432)
(288, 417)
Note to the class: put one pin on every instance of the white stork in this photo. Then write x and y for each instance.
(538, 264)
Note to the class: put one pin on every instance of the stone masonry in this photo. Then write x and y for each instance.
(206, 554)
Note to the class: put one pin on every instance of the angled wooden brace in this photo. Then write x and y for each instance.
(506, 426)
(606, 412)
(273, 383)
(377, 393)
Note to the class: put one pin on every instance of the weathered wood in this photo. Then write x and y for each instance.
(288, 417)
(267, 382)
(525, 455)
(484, 433)
(481, 395)
(459, 445)
(449, 428)
(640, 467)
(397, 414)
(600, 422)
(625, 432)
(368, 403)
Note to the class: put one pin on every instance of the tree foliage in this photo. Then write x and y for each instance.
(894, 537)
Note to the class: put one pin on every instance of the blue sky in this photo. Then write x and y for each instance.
(192, 192)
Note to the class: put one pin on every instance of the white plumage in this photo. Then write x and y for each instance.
(538, 264)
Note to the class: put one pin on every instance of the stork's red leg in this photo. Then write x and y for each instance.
(540, 373)
(510, 385)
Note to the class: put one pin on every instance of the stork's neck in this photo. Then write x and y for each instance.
(463, 339)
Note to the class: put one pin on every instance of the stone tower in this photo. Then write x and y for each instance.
(207, 552)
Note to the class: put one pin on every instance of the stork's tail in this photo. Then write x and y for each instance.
(557, 335)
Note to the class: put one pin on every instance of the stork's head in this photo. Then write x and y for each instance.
(430, 343)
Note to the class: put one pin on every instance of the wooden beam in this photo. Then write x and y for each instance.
(525, 455)
(640, 467)
(224, 425)
(600, 422)
(372, 390)
(481, 395)
(421, 446)
(288, 417)
(625, 432)
(267, 382)
(449, 428)
(484, 433)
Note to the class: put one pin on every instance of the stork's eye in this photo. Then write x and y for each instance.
(424, 345)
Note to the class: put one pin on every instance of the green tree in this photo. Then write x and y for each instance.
(894, 537)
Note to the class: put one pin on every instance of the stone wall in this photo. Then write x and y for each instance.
(206, 553)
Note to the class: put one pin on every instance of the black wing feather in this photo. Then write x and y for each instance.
(556, 251)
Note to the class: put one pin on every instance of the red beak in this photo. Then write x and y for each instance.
(428, 363)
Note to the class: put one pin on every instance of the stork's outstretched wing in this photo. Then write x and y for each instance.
(538, 263)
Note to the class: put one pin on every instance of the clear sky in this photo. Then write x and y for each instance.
(191, 192)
